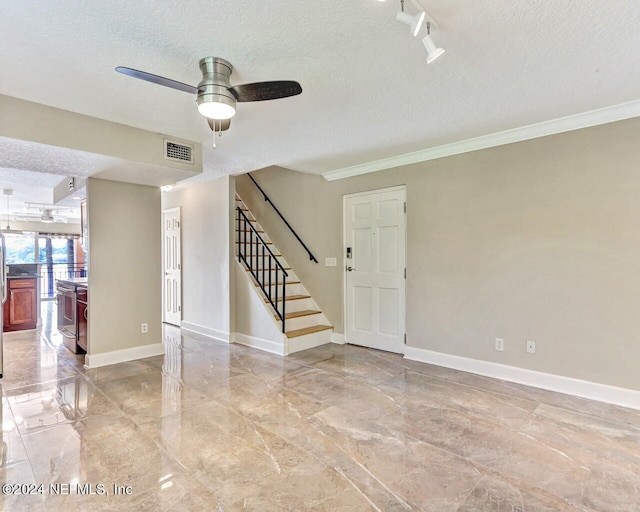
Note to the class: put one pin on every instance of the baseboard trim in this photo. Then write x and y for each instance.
(206, 331)
(338, 338)
(260, 343)
(585, 389)
(124, 355)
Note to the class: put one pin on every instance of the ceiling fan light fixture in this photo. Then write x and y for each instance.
(215, 106)
(46, 217)
(414, 22)
(214, 99)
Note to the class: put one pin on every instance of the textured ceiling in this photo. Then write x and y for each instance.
(368, 92)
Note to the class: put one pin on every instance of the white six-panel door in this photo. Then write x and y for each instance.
(172, 282)
(375, 238)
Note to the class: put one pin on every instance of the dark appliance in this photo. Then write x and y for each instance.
(81, 316)
(66, 302)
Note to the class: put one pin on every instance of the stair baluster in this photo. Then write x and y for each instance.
(267, 259)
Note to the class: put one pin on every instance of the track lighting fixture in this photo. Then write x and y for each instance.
(414, 22)
(433, 52)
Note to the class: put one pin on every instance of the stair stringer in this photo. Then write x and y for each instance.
(255, 325)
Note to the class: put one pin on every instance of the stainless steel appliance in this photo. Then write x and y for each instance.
(82, 316)
(66, 302)
(3, 294)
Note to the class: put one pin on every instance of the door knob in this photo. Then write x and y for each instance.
(350, 269)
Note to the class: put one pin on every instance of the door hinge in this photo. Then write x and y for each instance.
(405, 272)
(179, 268)
(180, 309)
(405, 207)
(405, 338)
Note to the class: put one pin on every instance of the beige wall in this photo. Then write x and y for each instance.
(538, 240)
(206, 252)
(124, 265)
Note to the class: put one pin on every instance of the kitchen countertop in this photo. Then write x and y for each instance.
(23, 276)
(74, 281)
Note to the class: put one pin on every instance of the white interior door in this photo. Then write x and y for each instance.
(172, 282)
(375, 248)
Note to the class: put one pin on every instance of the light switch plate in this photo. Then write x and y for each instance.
(330, 262)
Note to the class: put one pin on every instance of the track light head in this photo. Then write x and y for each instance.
(414, 22)
(433, 52)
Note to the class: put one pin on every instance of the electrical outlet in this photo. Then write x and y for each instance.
(499, 344)
(531, 347)
(330, 262)
(144, 328)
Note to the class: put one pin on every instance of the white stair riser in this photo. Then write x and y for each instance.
(251, 237)
(290, 277)
(257, 260)
(301, 305)
(303, 321)
(292, 289)
(308, 341)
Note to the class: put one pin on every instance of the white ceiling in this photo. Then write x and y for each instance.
(368, 92)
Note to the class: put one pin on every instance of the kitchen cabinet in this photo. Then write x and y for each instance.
(21, 308)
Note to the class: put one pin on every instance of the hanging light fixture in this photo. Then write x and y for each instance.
(414, 22)
(8, 193)
(433, 52)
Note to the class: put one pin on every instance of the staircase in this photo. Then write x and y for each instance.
(301, 321)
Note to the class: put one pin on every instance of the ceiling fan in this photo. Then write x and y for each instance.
(216, 97)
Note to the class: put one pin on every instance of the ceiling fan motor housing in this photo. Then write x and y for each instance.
(214, 99)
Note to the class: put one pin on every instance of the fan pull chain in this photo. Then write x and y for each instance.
(214, 135)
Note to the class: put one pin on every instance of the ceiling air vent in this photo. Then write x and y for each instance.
(178, 152)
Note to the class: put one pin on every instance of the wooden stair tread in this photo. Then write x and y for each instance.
(298, 314)
(307, 330)
(292, 297)
(268, 243)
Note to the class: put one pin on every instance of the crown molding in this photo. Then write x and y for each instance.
(532, 131)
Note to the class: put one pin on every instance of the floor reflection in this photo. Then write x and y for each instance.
(213, 426)
(171, 385)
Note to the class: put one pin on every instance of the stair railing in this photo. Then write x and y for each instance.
(262, 264)
(266, 198)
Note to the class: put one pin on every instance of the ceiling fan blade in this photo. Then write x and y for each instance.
(220, 125)
(160, 80)
(261, 91)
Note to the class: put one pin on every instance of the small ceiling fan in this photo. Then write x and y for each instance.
(216, 97)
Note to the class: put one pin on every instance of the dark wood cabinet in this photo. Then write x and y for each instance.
(21, 308)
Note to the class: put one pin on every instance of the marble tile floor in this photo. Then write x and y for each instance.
(217, 427)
